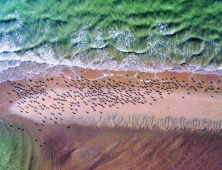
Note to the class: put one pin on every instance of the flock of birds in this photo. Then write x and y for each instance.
(82, 95)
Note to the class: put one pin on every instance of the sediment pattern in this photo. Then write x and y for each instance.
(166, 123)
(125, 148)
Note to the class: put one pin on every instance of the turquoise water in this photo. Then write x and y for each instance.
(16, 149)
(141, 35)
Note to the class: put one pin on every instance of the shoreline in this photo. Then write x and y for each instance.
(58, 68)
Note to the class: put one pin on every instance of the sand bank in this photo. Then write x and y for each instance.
(129, 99)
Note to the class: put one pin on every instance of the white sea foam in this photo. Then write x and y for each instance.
(15, 65)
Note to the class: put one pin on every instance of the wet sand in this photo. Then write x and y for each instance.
(113, 104)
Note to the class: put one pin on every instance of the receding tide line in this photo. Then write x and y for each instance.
(165, 123)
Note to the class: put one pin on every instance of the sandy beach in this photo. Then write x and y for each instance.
(119, 105)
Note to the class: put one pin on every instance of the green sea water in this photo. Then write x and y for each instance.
(111, 34)
(17, 151)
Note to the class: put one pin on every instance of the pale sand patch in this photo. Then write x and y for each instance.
(193, 106)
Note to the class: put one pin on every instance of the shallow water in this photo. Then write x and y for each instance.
(16, 149)
(119, 35)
